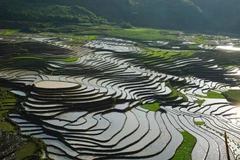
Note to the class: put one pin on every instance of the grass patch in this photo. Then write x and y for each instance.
(26, 150)
(151, 107)
(232, 96)
(164, 54)
(9, 99)
(219, 37)
(170, 55)
(211, 94)
(199, 123)
(75, 39)
(201, 40)
(71, 59)
(33, 147)
(193, 46)
(176, 93)
(141, 34)
(185, 149)
(200, 101)
(7, 103)
(7, 32)
(7, 126)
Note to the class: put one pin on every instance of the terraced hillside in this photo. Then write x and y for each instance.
(116, 101)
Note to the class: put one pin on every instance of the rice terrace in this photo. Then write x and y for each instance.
(119, 79)
(115, 98)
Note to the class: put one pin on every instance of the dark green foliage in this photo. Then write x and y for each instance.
(7, 103)
(32, 148)
(198, 15)
(48, 12)
(10, 49)
(9, 143)
(125, 25)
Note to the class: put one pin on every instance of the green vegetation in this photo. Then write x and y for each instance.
(33, 147)
(88, 33)
(193, 46)
(7, 32)
(200, 101)
(26, 150)
(219, 37)
(71, 59)
(140, 34)
(171, 55)
(185, 149)
(42, 12)
(177, 14)
(151, 107)
(125, 25)
(201, 39)
(232, 96)
(75, 39)
(212, 94)
(175, 93)
(6, 125)
(199, 123)
(7, 104)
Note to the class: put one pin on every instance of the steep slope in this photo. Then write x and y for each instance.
(223, 14)
(171, 14)
(41, 11)
(196, 15)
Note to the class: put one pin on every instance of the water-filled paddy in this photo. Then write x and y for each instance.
(94, 107)
(54, 85)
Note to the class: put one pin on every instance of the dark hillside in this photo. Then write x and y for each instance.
(43, 11)
(192, 15)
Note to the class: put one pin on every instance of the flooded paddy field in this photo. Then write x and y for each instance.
(112, 99)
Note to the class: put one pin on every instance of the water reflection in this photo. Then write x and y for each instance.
(229, 48)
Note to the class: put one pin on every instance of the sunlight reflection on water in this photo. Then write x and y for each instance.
(229, 48)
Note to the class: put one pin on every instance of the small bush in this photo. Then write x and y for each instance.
(126, 25)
